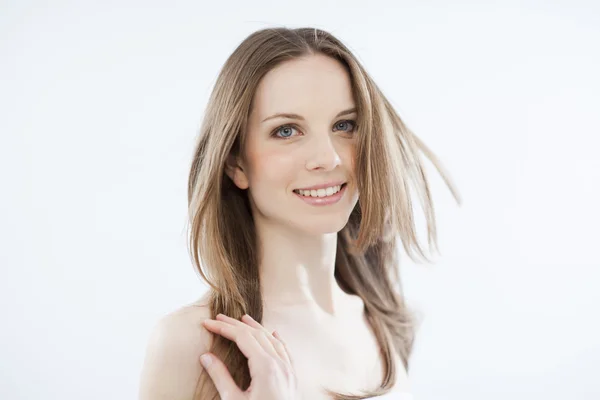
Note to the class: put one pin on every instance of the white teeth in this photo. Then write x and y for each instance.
(319, 192)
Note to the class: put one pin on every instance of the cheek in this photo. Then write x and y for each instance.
(347, 155)
(272, 169)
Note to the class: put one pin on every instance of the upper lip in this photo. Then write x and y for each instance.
(323, 186)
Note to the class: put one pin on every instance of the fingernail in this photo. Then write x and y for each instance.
(206, 360)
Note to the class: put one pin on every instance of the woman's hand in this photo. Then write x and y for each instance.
(270, 364)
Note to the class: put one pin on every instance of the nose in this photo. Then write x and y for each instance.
(322, 154)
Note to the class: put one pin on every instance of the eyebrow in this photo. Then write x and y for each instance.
(300, 117)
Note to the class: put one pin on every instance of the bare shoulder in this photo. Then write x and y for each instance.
(171, 366)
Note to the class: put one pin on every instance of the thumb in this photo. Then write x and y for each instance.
(221, 377)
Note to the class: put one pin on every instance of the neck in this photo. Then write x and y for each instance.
(297, 270)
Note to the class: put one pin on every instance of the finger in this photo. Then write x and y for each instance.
(245, 340)
(253, 323)
(288, 356)
(222, 328)
(257, 330)
(266, 343)
(229, 320)
(220, 376)
(276, 344)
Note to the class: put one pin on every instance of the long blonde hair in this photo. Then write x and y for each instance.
(222, 239)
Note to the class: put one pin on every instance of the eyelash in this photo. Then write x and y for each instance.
(274, 134)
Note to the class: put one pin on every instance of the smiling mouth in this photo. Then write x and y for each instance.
(325, 192)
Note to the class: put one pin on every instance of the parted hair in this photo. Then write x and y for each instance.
(221, 231)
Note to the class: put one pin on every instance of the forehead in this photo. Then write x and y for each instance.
(310, 85)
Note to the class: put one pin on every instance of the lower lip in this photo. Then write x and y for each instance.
(323, 201)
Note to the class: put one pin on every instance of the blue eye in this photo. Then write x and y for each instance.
(288, 129)
(345, 123)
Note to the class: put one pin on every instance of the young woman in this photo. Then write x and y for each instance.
(298, 196)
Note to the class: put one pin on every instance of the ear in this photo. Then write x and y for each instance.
(235, 170)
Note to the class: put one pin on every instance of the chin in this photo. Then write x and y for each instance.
(322, 225)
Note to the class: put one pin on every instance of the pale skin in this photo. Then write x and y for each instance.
(324, 329)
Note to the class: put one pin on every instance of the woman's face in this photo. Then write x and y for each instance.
(294, 164)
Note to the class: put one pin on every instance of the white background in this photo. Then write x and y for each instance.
(100, 106)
